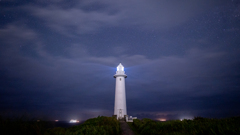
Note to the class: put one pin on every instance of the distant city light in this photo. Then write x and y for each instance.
(73, 121)
(56, 120)
(162, 119)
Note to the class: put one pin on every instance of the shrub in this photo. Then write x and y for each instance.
(197, 126)
(100, 125)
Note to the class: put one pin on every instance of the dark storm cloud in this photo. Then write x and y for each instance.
(13, 34)
(58, 58)
(75, 82)
(175, 83)
(139, 14)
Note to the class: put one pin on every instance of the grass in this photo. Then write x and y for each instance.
(110, 126)
(22, 126)
(197, 126)
(100, 125)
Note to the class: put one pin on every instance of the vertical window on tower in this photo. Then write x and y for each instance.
(120, 79)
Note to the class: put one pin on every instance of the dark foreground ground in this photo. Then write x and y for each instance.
(100, 125)
(110, 126)
(65, 124)
(197, 126)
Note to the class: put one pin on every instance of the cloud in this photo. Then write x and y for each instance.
(16, 34)
(92, 16)
(65, 81)
(74, 80)
(79, 80)
(73, 21)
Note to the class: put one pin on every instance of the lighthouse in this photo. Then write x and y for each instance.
(120, 107)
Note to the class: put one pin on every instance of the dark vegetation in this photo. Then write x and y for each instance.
(100, 125)
(22, 125)
(110, 126)
(197, 126)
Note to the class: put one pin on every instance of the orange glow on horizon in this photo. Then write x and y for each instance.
(162, 119)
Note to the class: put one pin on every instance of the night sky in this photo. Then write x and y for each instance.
(58, 58)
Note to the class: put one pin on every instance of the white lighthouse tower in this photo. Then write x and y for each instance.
(120, 107)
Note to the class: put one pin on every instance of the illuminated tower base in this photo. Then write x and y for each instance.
(120, 107)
